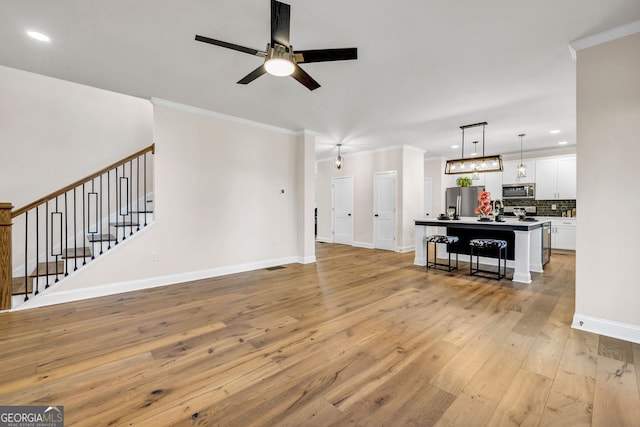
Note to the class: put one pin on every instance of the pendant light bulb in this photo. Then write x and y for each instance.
(522, 169)
(339, 160)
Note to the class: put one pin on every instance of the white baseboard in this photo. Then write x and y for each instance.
(324, 239)
(363, 245)
(405, 249)
(605, 327)
(50, 297)
(306, 260)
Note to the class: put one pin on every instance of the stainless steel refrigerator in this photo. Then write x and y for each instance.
(463, 199)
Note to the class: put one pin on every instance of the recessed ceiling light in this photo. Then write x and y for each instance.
(474, 154)
(563, 142)
(38, 36)
(555, 131)
(455, 146)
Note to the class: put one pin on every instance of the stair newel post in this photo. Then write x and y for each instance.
(5, 256)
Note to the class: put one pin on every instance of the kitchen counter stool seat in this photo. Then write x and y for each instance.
(447, 240)
(488, 245)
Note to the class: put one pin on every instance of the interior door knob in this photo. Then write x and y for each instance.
(349, 214)
(376, 215)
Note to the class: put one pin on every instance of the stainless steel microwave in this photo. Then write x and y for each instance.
(518, 191)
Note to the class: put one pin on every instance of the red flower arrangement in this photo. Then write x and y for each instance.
(484, 204)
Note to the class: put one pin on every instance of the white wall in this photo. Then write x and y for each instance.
(412, 195)
(608, 125)
(219, 203)
(54, 132)
(434, 169)
(362, 166)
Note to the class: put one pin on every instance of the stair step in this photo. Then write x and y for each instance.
(17, 286)
(83, 252)
(125, 224)
(50, 268)
(95, 238)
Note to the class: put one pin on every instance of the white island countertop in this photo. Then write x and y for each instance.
(508, 223)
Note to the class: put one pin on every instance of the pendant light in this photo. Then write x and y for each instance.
(339, 160)
(479, 164)
(522, 169)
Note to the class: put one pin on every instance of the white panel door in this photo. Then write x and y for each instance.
(384, 210)
(342, 192)
(428, 190)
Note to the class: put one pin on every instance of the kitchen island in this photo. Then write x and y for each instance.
(527, 250)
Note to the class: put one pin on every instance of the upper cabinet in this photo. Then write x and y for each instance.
(556, 178)
(493, 184)
(510, 172)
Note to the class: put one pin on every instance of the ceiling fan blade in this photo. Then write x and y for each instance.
(252, 75)
(280, 23)
(300, 75)
(230, 46)
(323, 55)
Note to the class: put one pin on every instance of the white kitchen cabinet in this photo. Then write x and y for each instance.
(510, 172)
(563, 234)
(556, 179)
(493, 184)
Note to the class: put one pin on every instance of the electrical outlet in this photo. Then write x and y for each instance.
(553, 207)
(154, 256)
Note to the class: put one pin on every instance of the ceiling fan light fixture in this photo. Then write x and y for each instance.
(279, 61)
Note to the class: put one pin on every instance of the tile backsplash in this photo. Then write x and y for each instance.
(544, 206)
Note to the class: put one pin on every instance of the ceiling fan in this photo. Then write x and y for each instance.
(279, 58)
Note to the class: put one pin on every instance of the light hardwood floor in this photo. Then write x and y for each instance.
(362, 337)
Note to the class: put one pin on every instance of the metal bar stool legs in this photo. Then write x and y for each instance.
(488, 244)
(447, 240)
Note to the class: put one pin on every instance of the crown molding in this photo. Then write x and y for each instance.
(603, 37)
(207, 113)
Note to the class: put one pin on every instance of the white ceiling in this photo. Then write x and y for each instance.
(425, 67)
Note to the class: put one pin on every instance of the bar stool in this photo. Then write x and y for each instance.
(435, 239)
(487, 245)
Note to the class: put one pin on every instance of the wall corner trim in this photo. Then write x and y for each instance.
(605, 327)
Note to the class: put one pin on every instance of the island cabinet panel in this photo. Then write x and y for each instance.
(465, 235)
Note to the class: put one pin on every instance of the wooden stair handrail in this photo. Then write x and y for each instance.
(63, 190)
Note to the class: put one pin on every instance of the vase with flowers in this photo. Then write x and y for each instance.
(484, 206)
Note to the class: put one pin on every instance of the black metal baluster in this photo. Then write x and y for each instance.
(138, 190)
(66, 235)
(26, 250)
(57, 213)
(101, 228)
(37, 279)
(126, 189)
(130, 196)
(117, 190)
(145, 189)
(109, 203)
(84, 225)
(46, 244)
(92, 230)
(75, 231)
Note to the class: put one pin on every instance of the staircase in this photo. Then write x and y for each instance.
(63, 232)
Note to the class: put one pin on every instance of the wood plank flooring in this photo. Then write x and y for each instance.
(362, 337)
